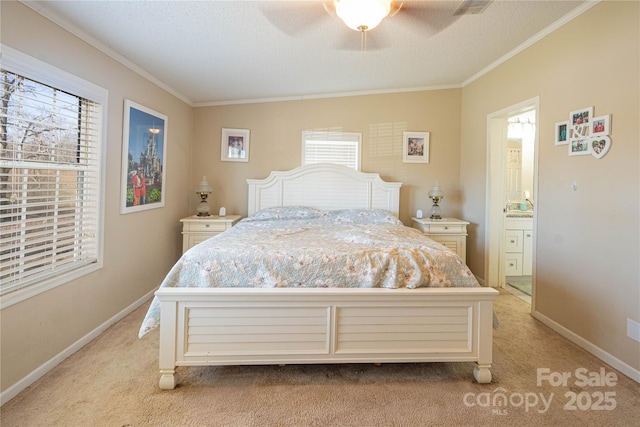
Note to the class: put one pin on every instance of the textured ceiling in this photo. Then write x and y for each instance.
(217, 52)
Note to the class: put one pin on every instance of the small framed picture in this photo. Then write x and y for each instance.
(601, 125)
(599, 146)
(415, 147)
(234, 146)
(579, 147)
(579, 122)
(562, 129)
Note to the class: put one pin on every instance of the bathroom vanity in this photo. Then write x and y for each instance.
(518, 245)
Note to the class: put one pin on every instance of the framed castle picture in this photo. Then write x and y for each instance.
(144, 153)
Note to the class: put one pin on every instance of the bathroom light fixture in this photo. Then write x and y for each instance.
(436, 194)
(203, 190)
(362, 15)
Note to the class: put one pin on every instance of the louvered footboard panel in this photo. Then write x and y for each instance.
(227, 331)
(403, 330)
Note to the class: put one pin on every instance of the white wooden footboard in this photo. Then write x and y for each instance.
(245, 326)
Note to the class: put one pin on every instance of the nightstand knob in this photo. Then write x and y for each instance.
(446, 227)
(513, 241)
(207, 225)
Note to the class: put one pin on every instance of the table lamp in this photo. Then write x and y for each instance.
(203, 190)
(436, 194)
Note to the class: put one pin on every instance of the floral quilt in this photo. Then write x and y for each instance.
(305, 247)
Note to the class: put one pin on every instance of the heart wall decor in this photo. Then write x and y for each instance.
(584, 133)
(599, 146)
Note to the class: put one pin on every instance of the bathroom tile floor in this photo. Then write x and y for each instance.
(519, 286)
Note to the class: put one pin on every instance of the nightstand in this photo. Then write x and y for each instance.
(450, 232)
(196, 229)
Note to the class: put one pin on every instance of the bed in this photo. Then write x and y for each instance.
(410, 310)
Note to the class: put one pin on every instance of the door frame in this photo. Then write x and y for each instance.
(495, 197)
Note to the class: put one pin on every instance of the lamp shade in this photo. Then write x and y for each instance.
(204, 186)
(362, 15)
(436, 191)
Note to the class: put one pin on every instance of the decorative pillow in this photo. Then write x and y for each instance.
(287, 212)
(365, 216)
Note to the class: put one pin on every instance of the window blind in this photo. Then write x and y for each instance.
(49, 182)
(341, 148)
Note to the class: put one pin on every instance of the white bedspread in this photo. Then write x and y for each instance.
(305, 247)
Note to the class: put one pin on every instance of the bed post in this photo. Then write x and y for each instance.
(481, 372)
(168, 331)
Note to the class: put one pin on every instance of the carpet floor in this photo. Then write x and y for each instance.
(113, 381)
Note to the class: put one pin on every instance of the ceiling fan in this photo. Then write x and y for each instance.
(427, 17)
(365, 15)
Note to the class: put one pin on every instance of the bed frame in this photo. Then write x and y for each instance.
(248, 326)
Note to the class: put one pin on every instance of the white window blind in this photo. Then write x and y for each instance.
(341, 148)
(50, 170)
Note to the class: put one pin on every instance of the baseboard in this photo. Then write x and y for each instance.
(608, 358)
(36, 374)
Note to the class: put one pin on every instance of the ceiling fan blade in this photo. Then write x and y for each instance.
(294, 18)
(472, 7)
(426, 17)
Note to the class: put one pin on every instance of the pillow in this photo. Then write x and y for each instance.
(287, 212)
(365, 216)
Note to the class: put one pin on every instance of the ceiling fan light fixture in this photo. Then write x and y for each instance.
(362, 15)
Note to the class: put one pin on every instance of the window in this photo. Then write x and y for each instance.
(342, 148)
(50, 177)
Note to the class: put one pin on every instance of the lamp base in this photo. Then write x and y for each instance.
(435, 212)
(203, 209)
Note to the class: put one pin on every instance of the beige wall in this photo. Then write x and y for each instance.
(587, 240)
(276, 140)
(139, 248)
(587, 243)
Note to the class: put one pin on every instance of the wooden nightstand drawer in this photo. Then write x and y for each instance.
(204, 226)
(445, 228)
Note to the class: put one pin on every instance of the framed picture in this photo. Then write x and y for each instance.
(415, 147)
(144, 155)
(599, 146)
(579, 122)
(579, 147)
(601, 125)
(562, 129)
(234, 146)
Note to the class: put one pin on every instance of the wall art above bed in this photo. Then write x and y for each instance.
(234, 146)
(415, 147)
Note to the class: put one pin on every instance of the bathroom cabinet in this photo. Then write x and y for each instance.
(518, 244)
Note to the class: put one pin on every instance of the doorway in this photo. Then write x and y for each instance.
(511, 196)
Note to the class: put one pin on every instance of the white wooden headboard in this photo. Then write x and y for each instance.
(324, 186)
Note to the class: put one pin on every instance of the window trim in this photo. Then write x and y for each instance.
(23, 64)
